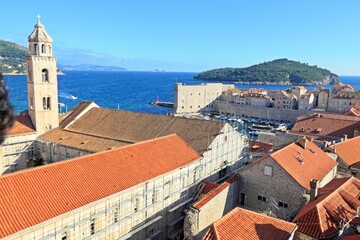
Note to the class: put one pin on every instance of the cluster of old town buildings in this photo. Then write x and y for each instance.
(96, 173)
(208, 97)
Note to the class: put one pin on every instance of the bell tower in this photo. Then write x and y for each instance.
(42, 80)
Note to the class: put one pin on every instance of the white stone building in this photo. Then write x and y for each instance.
(196, 98)
(134, 192)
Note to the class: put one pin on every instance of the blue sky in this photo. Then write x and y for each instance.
(193, 35)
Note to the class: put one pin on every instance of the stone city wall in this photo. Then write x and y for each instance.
(259, 112)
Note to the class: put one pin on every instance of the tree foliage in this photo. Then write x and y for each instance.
(282, 71)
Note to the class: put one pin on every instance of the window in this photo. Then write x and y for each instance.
(45, 75)
(261, 198)
(92, 227)
(136, 206)
(268, 171)
(43, 48)
(167, 190)
(115, 215)
(36, 48)
(46, 103)
(64, 236)
(282, 204)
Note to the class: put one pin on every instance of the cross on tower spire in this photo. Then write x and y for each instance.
(38, 19)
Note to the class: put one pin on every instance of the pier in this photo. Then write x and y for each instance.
(162, 104)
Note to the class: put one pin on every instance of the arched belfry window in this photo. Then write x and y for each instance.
(47, 103)
(43, 48)
(36, 48)
(45, 75)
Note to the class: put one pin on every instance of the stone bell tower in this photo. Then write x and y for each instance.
(42, 80)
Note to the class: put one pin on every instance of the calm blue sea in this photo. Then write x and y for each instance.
(126, 90)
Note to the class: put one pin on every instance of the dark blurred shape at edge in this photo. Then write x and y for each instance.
(6, 111)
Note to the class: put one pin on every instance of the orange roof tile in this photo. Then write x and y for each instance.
(211, 190)
(257, 146)
(352, 112)
(22, 124)
(304, 164)
(337, 201)
(333, 126)
(74, 113)
(351, 237)
(130, 127)
(349, 150)
(208, 187)
(242, 224)
(32, 196)
(205, 199)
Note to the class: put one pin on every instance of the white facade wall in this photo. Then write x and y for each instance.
(306, 103)
(15, 152)
(340, 105)
(322, 100)
(150, 209)
(194, 98)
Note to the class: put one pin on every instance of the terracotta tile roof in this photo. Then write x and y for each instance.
(259, 147)
(299, 87)
(22, 124)
(32, 196)
(211, 190)
(351, 237)
(346, 95)
(352, 112)
(356, 221)
(82, 142)
(74, 113)
(208, 187)
(338, 85)
(304, 163)
(348, 151)
(321, 217)
(130, 127)
(242, 224)
(206, 198)
(333, 126)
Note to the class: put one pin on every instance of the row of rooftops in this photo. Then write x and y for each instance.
(336, 202)
(321, 218)
(84, 180)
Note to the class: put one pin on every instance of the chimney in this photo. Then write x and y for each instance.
(345, 137)
(313, 189)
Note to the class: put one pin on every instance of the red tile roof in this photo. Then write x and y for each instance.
(22, 124)
(208, 187)
(351, 237)
(348, 151)
(240, 224)
(337, 201)
(333, 126)
(212, 189)
(352, 112)
(128, 127)
(205, 199)
(260, 147)
(304, 164)
(32, 196)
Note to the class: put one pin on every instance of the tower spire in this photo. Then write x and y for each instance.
(38, 19)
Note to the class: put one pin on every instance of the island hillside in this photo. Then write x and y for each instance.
(276, 72)
(12, 57)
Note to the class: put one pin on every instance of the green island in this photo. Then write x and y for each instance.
(12, 57)
(276, 72)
